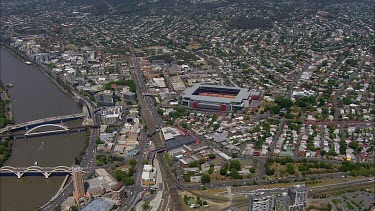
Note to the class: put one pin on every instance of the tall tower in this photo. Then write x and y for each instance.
(79, 188)
(261, 201)
(298, 196)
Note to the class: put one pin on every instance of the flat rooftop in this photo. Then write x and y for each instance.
(170, 133)
(100, 204)
(179, 141)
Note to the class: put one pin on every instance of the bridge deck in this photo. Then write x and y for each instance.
(41, 121)
(37, 170)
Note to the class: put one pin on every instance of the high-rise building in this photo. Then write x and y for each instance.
(298, 197)
(282, 202)
(294, 200)
(261, 201)
(79, 188)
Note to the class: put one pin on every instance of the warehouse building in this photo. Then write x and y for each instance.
(175, 139)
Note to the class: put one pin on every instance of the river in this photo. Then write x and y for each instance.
(35, 97)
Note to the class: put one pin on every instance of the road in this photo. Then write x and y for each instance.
(276, 138)
(136, 189)
(245, 182)
(87, 159)
(297, 78)
(153, 122)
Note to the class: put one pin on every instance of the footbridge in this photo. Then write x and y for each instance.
(41, 121)
(61, 128)
(46, 129)
(38, 171)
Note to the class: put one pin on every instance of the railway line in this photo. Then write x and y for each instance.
(176, 202)
(171, 184)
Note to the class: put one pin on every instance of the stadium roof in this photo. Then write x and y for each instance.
(243, 93)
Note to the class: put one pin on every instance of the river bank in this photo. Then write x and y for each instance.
(39, 66)
(6, 115)
(35, 96)
(6, 118)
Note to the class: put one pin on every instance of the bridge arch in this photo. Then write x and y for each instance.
(8, 168)
(64, 167)
(34, 169)
(61, 169)
(62, 127)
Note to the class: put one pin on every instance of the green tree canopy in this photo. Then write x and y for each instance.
(205, 179)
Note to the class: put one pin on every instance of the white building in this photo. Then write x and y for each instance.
(148, 175)
(261, 201)
(111, 115)
(298, 196)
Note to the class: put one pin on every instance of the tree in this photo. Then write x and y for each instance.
(235, 164)
(342, 147)
(223, 171)
(201, 161)
(325, 63)
(205, 178)
(269, 171)
(211, 170)
(145, 206)
(144, 161)
(283, 102)
(132, 162)
(128, 181)
(234, 174)
(354, 145)
(252, 170)
(332, 153)
(160, 111)
(347, 100)
(212, 156)
(214, 118)
(186, 177)
(131, 171)
(275, 109)
(290, 169)
(120, 175)
(98, 141)
(215, 126)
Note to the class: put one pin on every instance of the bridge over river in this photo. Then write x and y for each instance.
(38, 171)
(41, 121)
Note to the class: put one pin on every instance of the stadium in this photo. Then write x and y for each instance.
(218, 98)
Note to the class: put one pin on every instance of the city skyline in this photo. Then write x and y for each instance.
(160, 105)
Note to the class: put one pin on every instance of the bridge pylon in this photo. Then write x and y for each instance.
(19, 174)
(46, 174)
